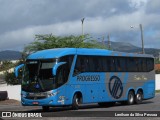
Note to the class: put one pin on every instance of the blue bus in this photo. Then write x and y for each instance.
(74, 76)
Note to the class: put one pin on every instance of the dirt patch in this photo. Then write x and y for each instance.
(10, 102)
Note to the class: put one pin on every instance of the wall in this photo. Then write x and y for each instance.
(157, 81)
(14, 91)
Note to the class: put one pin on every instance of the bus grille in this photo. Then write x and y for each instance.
(35, 98)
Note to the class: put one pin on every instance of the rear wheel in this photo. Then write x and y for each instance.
(130, 100)
(45, 108)
(138, 97)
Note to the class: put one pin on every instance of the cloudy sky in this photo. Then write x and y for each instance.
(20, 20)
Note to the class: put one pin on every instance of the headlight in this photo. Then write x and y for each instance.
(23, 95)
(53, 94)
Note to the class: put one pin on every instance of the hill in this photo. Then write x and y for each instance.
(10, 55)
(127, 47)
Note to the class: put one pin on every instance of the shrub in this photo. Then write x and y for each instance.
(157, 71)
(11, 79)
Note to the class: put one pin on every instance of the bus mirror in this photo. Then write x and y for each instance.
(54, 70)
(16, 70)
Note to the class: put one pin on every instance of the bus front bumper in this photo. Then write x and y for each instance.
(52, 100)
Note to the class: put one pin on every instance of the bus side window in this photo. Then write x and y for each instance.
(150, 64)
(61, 76)
(82, 67)
(99, 66)
(108, 65)
(94, 65)
(77, 68)
(144, 65)
(131, 65)
(112, 63)
(118, 65)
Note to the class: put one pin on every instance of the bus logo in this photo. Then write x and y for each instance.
(115, 87)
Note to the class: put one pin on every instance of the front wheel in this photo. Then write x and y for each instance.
(75, 102)
(138, 97)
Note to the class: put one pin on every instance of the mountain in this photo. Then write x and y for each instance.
(10, 55)
(116, 46)
(127, 47)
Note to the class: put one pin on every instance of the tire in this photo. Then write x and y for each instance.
(131, 98)
(75, 102)
(138, 97)
(45, 108)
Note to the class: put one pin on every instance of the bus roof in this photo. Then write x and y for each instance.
(59, 52)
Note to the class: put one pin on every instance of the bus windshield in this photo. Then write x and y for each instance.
(37, 76)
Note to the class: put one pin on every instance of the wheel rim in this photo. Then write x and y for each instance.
(77, 101)
(139, 97)
(131, 98)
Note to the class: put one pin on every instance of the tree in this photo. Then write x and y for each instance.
(9, 75)
(49, 41)
(157, 61)
(10, 78)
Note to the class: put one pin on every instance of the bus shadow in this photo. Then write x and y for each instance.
(66, 108)
(82, 107)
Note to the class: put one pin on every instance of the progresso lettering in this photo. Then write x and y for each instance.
(88, 78)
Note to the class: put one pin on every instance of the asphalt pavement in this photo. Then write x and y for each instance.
(149, 109)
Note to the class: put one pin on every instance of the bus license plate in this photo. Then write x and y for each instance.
(35, 103)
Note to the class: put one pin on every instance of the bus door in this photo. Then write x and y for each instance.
(61, 79)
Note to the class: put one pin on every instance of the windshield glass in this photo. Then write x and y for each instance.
(38, 76)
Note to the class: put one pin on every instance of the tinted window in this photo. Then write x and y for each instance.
(120, 64)
(131, 65)
(113, 64)
(144, 65)
(150, 64)
(64, 70)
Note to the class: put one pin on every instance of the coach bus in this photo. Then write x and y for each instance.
(74, 76)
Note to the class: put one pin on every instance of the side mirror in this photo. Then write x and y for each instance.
(16, 70)
(54, 70)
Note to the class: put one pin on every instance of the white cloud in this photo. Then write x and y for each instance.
(138, 3)
(101, 17)
(99, 25)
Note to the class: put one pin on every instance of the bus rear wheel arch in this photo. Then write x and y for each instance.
(139, 96)
(77, 100)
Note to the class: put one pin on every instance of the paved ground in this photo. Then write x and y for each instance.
(93, 111)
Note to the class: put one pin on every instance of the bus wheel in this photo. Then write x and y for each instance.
(139, 97)
(131, 97)
(75, 102)
(45, 108)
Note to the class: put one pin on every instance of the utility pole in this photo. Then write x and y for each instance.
(109, 44)
(141, 28)
(82, 20)
(103, 41)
